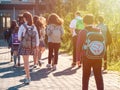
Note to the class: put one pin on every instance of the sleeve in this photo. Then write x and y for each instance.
(49, 31)
(37, 36)
(62, 30)
(20, 32)
(72, 24)
(80, 42)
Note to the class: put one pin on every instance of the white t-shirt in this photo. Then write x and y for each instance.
(73, 25)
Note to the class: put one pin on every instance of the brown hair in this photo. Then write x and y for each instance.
(77, 13)
(54, 19)
(14, 26)
(35, 18)
(88, 19)
(28, 17)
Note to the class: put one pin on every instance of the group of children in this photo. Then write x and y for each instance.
(52, 28)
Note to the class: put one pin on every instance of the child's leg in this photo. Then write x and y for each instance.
(18, 59)
(15, 57)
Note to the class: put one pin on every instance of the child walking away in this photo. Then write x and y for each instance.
(91, 48)
(28, 36)
(108, 39)
(14, 43)
(40, 23)
(54, 33)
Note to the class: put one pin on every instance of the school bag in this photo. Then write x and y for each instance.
(94, 45)
(15, 40)
(56, 33)
(29, 39)
(79, 25)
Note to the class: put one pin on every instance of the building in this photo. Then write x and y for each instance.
(12, 9)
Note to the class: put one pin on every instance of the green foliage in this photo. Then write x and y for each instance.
(110, 9)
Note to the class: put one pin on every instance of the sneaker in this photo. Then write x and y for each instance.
(27, 80)
(35, 66)
(19, 64)
(48, 66)
(54, 67)
(79, 66)
(15, 66)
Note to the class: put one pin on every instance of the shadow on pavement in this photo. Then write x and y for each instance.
(3, 63)
(40, 74)
(12, 72)
(67, 71)
(17, 87)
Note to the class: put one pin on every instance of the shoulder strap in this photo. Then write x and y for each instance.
(25, 26)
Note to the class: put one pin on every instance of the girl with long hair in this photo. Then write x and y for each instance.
(54, 33)
(25, 52)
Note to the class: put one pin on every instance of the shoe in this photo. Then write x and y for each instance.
(19, 64)
(48, 66)
(79, 66)
(35, 66)
(15, 66)
(54, 67)
(73, 64)
(27, 81)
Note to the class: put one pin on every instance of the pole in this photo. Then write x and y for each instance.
(37, 7)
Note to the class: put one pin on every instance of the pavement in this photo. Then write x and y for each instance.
(64, 78)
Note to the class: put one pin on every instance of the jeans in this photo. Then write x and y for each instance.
(53, 50)
(96, 65)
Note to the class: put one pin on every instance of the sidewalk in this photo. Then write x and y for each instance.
(64, 78)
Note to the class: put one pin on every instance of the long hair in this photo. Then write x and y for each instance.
(39, 25)
(28, 17)
(14, 26)
(54, 19)
(35, 18)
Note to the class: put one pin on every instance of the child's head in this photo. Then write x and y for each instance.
(77, 13)
(28, 18)
(54, 19)
(100, 19)
(88, 19)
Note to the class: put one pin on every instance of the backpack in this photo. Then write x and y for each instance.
(29, 39)
(56, 33)
(94, 45)
(15, 40)
(79, 25)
